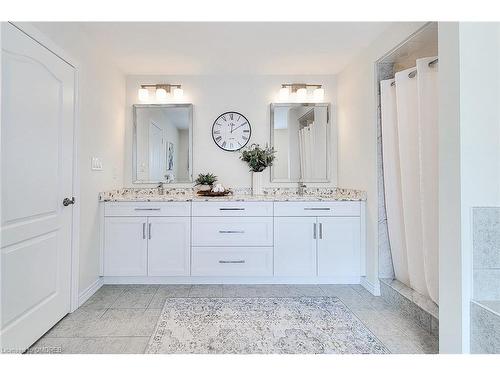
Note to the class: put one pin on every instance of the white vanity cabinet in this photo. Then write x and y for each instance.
(146, 239)
(233, 241)
(318, 239)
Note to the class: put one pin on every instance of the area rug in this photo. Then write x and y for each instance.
(305, 325)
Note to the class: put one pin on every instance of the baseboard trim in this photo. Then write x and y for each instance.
(87, 293)
(372, 288)
(228, 280)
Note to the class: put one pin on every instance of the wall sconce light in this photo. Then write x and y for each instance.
(300, 90)
(162, 91)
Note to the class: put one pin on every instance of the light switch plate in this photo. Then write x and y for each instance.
(96, 164)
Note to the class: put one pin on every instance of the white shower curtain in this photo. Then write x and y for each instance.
(410, 157)
(392, 180)
(428, 137)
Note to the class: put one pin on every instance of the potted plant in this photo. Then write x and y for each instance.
(258, 159)
(205, 181)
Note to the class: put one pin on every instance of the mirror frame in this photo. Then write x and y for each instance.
(134, 142)
(330, 145)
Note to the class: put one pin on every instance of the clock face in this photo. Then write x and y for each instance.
(231, 131)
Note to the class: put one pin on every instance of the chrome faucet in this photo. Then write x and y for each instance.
(301, 188)
(161, 188)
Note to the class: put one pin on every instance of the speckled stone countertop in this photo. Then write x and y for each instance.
(270, 195)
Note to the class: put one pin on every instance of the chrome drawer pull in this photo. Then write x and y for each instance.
(320, 231)
(314, 231)
(147, 209)
(231, 209)
(231, 261)
(149, 231)
(317, 208)
(143, 231)
(231, 231)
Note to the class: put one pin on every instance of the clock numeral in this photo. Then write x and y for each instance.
(224, 144)
(239, 143)
(231, 145)
(246, 131)
(224, 118)
(231, 116)
(245, 138)
(218, 124)
(217, 132)
(239, 117)
(218, 139)
(244, 123)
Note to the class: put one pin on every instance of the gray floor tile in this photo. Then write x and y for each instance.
(135, 297)
(308, 290)
(91, 345)
(103, 298)
(168, 291)
(400, 344)
(74, 324)
(208, 290)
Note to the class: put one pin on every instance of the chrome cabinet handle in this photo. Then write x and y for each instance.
(143, 231)
(320, 231)
(314, 230)
(231, 209)
(147, 209)
(149, 231)
(231, 231)
(231, 261)
(317, 208)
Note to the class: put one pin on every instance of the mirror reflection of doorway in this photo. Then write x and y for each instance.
(155, 152)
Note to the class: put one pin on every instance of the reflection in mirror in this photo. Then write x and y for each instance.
(162, 143)
(300, 134)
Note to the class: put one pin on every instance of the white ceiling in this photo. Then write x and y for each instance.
(229, 48)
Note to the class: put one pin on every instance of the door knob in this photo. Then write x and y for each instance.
(67, 201)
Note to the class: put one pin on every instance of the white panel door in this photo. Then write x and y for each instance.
(37, 117)
(339, 246)
(156, 153)
(169, 246)
(125, 246)
(295, 246)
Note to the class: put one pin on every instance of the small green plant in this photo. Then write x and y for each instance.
(258, 158)
(206, 179)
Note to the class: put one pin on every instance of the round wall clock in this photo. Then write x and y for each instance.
(231, 131)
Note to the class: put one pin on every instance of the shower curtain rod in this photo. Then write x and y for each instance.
(413, 73)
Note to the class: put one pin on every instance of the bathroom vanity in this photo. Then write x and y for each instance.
(183, 238)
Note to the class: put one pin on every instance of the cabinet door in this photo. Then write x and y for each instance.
(295, 246)
(168, 246)
(339, 246)
(125, 246)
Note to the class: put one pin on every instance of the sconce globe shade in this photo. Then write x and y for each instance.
(301, 94)
(143, 95)
(161, 95)
(178, 93)
(284, 93)
(319, 94)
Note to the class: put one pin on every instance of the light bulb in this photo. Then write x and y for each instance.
(319, 94)
(161, 95)
(301, 94)
(284, 92)
(143, 95)
(178, 93)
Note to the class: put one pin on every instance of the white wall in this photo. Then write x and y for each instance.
(357, 129)
(470, 162)
(211, 96)
(102, 99)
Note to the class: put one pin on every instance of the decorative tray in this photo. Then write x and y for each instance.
(209, 193)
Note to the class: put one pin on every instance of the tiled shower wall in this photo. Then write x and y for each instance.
(485, 308)
(486, 253)
(385, 267)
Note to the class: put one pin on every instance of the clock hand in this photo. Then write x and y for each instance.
(237, 127)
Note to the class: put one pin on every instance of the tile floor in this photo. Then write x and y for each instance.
(121, 318)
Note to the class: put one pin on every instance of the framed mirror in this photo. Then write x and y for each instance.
(301, 135)
(163, 139)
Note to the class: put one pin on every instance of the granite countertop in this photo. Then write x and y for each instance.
(240, 195)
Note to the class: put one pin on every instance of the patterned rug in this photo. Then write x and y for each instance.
(306, 325)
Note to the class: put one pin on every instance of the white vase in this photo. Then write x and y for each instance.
(257, 183)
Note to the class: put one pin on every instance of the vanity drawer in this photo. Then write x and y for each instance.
(147, 209)
(232, 208)
(317, 208)
(226, 231)
(233, 261)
